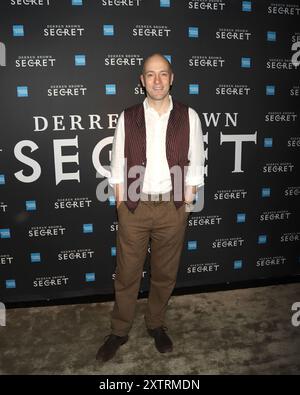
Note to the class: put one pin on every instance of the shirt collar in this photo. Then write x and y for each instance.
(148, 108)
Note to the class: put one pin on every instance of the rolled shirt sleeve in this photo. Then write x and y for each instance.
(117, 156)
(196, 154)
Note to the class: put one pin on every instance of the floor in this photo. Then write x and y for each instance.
(246, 331)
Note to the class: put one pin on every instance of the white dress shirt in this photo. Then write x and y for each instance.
(157, 177)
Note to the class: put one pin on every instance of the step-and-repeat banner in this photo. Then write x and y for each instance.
(68, 69)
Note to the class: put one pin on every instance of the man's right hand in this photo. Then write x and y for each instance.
(118, 194)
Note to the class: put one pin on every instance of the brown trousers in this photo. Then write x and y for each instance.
(165, 226)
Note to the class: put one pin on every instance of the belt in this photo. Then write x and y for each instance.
(157, 197)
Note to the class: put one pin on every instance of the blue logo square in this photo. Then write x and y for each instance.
(262, 239)
(110, 89)
(35, 257)
(80, 60)
(246, 6)
(87, 228)
(76, 2)
(108, 30)
(268, 142)
(241, 217)
(271, 36)
(5, 233)
(246, 63)
(266, 192)
(193, 32)
(2, 179)
(169, 58)
(89, 277)
(22, 91)
(165, 3)
(194, 89)
(192, 245)
(18, 30)
(237, 264)
(113, 251)
(10, 283)
(270, 90)
(30, 205)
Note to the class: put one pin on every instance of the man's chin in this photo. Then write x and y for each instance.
(158, 96)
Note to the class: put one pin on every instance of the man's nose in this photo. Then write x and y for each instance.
(157, 79)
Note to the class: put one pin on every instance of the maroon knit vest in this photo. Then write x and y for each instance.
(177, 147)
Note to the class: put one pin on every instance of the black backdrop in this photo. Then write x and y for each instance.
(68, 68)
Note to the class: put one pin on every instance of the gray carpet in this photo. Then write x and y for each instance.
(246, 331)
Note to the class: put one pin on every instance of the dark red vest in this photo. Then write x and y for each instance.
(177, 147)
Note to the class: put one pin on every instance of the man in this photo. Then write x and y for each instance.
(162, 139)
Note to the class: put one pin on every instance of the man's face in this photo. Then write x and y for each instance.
(157, 78)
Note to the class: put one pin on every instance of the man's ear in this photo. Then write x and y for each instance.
(172, 79)
(142, 80)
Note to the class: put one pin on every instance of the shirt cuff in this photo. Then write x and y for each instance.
(112, 181)
(195, 181)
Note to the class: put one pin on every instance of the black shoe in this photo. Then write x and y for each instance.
(162, 341)
(110, 347)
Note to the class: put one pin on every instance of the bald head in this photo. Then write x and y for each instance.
(153, 57)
